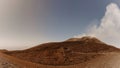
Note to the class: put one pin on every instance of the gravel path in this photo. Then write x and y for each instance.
(6, 64)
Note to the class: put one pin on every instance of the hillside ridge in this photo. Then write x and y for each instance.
(69, 52)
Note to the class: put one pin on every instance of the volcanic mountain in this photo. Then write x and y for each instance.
(70, 52)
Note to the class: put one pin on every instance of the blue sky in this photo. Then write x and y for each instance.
(24, 24)
(67, 18)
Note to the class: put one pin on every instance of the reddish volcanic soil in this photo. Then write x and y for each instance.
(71, 52)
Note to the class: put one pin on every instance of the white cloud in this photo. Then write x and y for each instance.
(109, 28)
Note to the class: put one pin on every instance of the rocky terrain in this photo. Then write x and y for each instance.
(70, 52)
(85, 52)
(4, 63)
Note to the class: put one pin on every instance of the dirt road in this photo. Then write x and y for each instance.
(5, 63)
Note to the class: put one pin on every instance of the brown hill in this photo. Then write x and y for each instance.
(3, 50)
(70, 52)
(85, 39)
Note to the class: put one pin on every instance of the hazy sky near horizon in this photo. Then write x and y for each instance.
(26, 23)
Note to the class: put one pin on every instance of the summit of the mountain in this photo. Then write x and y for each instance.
(85, 39)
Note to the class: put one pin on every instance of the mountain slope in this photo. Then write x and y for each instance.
(70, 52)
(109, 60)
